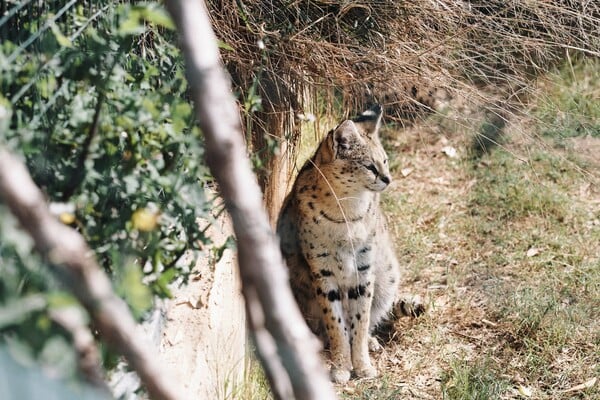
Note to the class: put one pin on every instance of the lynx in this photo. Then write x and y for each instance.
(343, 270)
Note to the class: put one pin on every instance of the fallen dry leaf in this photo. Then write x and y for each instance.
(532, 252)
(406, 171)
(585, 385)
(450, 151)
(524, 391)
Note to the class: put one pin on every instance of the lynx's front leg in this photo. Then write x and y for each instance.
(329, 297)
(360, 298)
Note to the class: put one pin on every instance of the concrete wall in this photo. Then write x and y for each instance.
(203, 341)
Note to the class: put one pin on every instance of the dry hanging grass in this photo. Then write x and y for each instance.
(391, 51)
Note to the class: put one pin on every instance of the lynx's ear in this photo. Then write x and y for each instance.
(344, 135)
(369, 121)
(338, 140)
(326, 151)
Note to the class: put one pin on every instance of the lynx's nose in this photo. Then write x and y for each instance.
(385, 179)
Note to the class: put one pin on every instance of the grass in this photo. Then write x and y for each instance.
(384, 387)
(255, 385)
(571, 107)
(506, 247)
(509, 189)
(473, 381)
(540, 275)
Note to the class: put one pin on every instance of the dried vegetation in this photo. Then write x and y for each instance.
(395, 52)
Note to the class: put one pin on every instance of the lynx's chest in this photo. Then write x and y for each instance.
(340, 217)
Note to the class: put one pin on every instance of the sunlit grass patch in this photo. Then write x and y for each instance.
(473, 380)
(414, 223)
(255, 385)
(570, 106)
(538, 268)
(508, 188)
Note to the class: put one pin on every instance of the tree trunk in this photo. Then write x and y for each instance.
(286, 347)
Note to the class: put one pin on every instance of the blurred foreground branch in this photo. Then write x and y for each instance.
(73, 262)
(286, 347)
(89, 359)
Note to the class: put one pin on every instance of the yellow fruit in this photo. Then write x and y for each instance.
(144, 220)
(67, 218)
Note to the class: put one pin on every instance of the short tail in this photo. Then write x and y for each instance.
(409, 306)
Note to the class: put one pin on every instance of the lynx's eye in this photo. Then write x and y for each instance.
(373, 169)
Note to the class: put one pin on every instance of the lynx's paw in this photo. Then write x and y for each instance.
(339, 375)
(374, 345)
(368, 371)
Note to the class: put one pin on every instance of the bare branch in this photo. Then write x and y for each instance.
(89, 362)
(72, 260)
(79, 171)
(287, 348)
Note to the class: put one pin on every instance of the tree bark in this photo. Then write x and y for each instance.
(286, 347)
(73, 262)
(88, 357)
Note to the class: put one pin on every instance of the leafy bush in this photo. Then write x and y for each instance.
(94, 98)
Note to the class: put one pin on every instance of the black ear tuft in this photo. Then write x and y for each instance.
(372, 114)
(370, 120)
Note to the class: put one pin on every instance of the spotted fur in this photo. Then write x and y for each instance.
(343, 270)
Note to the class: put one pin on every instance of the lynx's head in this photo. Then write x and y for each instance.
(353, 152)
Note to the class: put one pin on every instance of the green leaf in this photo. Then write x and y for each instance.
(16, 311)
(61, 299)
(162, 283)
(133, 290)
(224, 46)
(61, 39)
(133, 25)
(182, 110)
(219, 251)
(157, 16)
